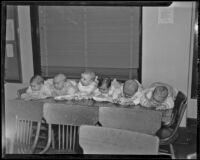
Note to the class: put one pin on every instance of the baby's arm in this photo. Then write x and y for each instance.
(145, 99)
(136, 98)
(45, 92)
(91, 88)
(27, 95)
(168, 104)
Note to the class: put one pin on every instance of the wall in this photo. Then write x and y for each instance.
(25, 51)
(166, 48)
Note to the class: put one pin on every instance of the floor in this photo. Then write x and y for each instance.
(185, 144)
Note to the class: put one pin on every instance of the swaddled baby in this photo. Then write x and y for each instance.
(131, 93)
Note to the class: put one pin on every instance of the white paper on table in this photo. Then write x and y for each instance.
(102, 99)
(64, 97)
(9, 50)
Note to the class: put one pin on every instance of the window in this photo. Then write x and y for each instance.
(104, 39)
(12, 55)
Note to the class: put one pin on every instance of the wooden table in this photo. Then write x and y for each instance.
(34, 110)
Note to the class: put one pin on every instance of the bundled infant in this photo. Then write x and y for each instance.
(37, 89)
(131, 92)
(128, 93)
(160, 96)
(60, 85)
(87, 85)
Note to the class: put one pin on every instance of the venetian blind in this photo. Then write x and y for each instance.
(103, 39)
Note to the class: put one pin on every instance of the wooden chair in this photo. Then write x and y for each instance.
(102, 140)
(169, 133)
(144, 121)
(22, 127)
(63, 121)
(25, 138)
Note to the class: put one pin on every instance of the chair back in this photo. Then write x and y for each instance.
(23, 121)
(168, 133)
(64, 120)
(144, 121)
(179, 109)
(26, 136)
(102, 140)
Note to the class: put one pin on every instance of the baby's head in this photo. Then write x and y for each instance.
(87, 78)
(160, 94)
(36, 82)
(130, 88)
(59, 81)
(105, 85)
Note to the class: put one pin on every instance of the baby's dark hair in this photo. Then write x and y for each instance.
(103, 81)
(38, 79)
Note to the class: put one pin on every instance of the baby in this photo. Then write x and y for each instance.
(104, 86)
(37, 89)
(172, 92)
(158, 97)
(115, 90)
(131, 93)
(60, 86)
(88, 83)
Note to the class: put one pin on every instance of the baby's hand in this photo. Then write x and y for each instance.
(116, 101)
(25, 97)
(96, 79)
(161, 107)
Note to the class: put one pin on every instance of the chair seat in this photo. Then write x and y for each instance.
(164, 132)
(165, 135)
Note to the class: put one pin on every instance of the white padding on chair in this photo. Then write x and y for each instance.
(101, 140)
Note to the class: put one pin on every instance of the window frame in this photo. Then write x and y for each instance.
(16, 45)
(34, 16)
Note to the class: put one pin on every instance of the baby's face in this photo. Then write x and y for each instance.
(128, 94)
(35, 86)
(58, 83)
(104, 88)
(159, 96)
(86, 79)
